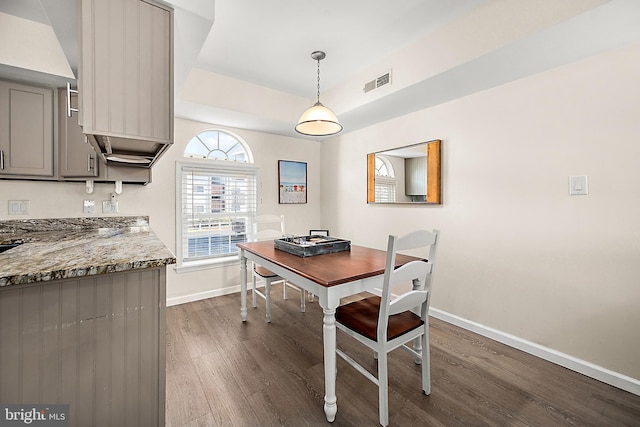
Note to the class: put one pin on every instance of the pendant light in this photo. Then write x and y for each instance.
(318, 120)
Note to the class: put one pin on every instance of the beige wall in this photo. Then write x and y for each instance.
(518, 253)
(157, 200)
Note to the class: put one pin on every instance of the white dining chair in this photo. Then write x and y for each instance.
(384, 323)
(319, 233)
(268, 227)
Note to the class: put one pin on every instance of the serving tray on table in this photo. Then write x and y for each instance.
(304, 246)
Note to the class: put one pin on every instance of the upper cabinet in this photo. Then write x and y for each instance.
(77, 156)
(79, 161)
(126, 78)
(26, 131)
(122, 51)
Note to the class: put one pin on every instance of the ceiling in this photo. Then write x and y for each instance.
(269, 43)
(438, 50)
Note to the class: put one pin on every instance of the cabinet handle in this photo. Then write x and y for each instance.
(89, 166)
(1, 159)
(70, 110)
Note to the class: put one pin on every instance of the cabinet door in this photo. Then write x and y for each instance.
(126, 69)
(96, 343)
(77, 157)
(26, 130)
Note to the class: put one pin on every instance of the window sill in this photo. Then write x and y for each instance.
(207, 264)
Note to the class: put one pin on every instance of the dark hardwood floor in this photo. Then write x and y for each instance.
(222, 372)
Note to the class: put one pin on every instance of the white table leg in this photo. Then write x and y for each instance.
(243, 286)
(329, 339)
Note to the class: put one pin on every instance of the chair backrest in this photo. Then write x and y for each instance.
(418, 272)
(266, 227)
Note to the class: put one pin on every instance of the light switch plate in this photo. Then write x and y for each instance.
(18, 207)
(578, 185)
(89, 207)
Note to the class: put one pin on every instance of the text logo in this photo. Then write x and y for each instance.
(34, 415)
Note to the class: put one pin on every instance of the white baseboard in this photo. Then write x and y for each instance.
(589, 369)
(202, 295)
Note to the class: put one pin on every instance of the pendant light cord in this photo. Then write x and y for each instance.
(318, 80)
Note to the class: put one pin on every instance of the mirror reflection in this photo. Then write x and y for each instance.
(409, 174)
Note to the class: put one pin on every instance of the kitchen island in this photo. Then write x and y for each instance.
(82, 318)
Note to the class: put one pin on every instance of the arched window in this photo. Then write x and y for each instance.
(218, 144)
(384, 167)
(385, 182)
(218, 195)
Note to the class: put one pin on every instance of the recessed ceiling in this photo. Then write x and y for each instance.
(269, 43)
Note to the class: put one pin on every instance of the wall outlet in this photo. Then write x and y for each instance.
(89, 207)
(109, 206)
(18, 207)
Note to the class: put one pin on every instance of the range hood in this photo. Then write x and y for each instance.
(127, 151)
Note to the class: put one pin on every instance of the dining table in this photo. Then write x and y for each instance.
(330, 277)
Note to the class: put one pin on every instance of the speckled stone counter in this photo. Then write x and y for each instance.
(63, 248)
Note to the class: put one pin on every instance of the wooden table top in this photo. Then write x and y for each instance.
(328, 269)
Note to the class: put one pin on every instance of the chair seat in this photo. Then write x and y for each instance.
(263, 272)
(362, 317)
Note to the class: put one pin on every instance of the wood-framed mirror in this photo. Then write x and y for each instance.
(405, 175)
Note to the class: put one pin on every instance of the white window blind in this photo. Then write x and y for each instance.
(216, 205)
(385, 189)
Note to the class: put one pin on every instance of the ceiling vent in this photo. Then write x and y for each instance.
(382, 80)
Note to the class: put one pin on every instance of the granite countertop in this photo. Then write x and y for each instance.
(64, 248)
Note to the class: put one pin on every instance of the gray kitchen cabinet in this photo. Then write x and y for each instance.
(78, 159)
(77, 156)
(126, 70)
(96, 343)
(26, 131)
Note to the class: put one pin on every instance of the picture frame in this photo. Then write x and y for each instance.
(292, 182)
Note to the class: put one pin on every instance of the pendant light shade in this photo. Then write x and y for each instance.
(318, 120)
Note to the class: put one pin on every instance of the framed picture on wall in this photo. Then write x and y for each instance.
(292, 182)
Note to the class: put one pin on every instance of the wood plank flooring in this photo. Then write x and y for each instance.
(222, 372)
